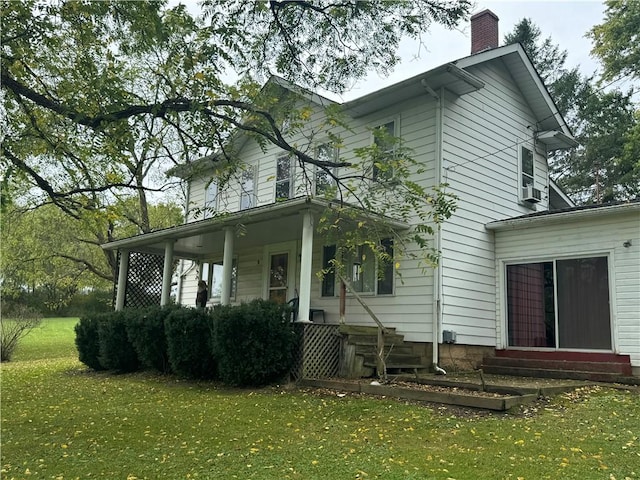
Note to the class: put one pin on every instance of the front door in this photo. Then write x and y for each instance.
(278, 277)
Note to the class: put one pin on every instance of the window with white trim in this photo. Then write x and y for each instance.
(213, 273)
(526, 167)
(363, 271)
(324, 182)
(384, 139)
(247, 188)
(284, 178)
(210, 200)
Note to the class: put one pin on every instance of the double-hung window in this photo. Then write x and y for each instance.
(383, 138)
(247, 188)
(323, 179)
(526, 167)
(210, 199)
(362, 270)
(284, 178)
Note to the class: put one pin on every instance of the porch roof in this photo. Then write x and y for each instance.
(266, 224)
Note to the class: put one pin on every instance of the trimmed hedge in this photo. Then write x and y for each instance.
(88, 340)
(116, 351)
(145, 329)
(189, 333)
(255, 342)
(252, 344)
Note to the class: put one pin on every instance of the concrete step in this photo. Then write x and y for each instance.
(617, 368)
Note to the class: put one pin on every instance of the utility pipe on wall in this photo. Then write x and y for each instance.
(437, 274)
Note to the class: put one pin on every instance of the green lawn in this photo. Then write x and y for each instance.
(61, 421)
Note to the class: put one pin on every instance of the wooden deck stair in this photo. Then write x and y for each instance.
(361, 342)
(597, 367)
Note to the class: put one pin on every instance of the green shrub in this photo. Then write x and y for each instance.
(116, 351)
(145, 329)
(15, 323)
(189, 333)
(88, 340)
(255, 342)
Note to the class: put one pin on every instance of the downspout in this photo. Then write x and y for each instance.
(437, 280)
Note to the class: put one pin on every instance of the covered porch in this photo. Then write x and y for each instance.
(270, 252)
(220, 238)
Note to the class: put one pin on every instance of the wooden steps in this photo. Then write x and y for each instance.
(362, 343)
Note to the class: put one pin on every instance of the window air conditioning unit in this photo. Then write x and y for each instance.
(531, 195)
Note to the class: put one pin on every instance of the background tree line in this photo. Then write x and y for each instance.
(101, 98)
(605, 119)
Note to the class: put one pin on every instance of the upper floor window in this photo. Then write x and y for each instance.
(210, 199)
(284, 178)
(247, 188)
(383, 138)
(324, 181)
(526, 167)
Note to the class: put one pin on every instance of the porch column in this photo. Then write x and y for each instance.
(123, 273)
(306, 255)
(227, 266)
(166, 273)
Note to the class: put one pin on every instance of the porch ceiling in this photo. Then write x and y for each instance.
(255, 227)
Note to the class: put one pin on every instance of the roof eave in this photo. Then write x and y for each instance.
(256, 214)
(558, 217)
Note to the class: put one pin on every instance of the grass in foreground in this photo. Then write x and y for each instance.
(61, 421)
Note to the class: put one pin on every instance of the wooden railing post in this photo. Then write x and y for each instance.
(382, 330)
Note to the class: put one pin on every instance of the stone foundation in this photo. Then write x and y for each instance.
(460, 358)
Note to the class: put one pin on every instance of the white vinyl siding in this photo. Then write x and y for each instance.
(482, 133)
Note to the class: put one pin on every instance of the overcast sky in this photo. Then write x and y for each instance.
(565, 21)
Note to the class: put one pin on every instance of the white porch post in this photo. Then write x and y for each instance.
(123, 273)
(306, 255)
(166, 273)
(227, 267)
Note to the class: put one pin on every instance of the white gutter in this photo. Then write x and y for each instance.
(193, 228)
(562, 216)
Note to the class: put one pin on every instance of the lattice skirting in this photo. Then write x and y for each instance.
(319, 351)
(144, 280)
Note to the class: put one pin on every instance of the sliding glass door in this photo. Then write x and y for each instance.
(559, 304)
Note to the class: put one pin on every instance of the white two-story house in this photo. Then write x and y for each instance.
(522, 272)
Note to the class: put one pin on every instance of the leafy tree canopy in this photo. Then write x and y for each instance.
(616, 42)
(84, 81)
(99, 94)
(602, 168)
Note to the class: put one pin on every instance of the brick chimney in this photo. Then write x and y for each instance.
(484, 31)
